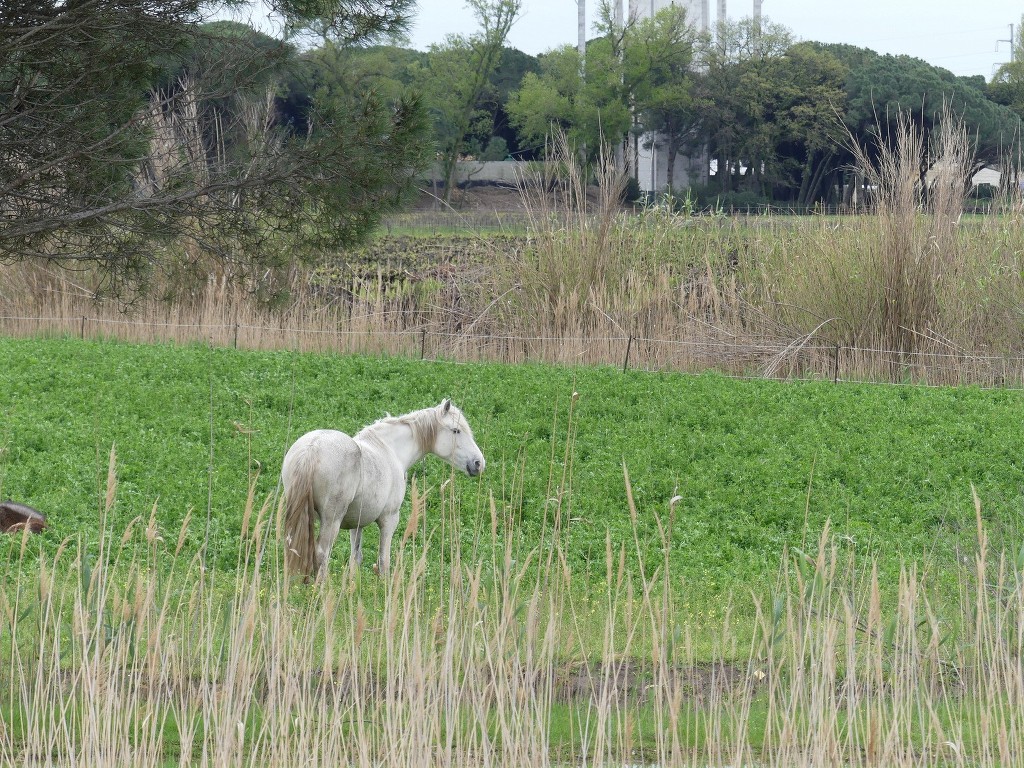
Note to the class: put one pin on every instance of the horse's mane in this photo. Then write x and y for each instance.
(424, 425)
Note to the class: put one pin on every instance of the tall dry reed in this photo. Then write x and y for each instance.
(914, 287)
(918, 251)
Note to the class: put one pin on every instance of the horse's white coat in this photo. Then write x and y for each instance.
(350, 482)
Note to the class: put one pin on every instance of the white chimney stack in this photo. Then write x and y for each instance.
(581, 27)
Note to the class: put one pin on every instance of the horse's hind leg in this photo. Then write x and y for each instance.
(325, 543)
(356, 556)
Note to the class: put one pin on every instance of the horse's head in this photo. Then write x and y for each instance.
(454, 442)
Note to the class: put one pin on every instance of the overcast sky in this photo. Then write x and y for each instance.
(959, 35)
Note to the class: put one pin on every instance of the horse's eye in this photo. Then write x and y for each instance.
(456, 430)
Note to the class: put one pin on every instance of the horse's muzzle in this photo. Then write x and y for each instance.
(474, 467)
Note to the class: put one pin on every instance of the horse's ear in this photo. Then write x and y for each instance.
(446, 406)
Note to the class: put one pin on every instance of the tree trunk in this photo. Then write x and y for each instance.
(805, 180)
(814, 178)
(449, 167)
(670, 167)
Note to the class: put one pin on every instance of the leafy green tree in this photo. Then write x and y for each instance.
(658, 57)
(806, 101)
(634, 78)
(459, 75)
(496, 149)
(591, 111)
(512, 68)
(737, 97)
(125, 124)
(393, 72)
(1007, 87)
(548, 98)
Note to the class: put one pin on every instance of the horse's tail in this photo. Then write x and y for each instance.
(299, 544)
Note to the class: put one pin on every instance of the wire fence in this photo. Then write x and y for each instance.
(766, 359)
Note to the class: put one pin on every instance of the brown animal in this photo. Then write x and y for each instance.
(15, 517)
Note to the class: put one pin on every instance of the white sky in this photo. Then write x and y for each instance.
(959, 35)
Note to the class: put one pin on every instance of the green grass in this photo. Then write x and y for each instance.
(128, 650)
(758, 465)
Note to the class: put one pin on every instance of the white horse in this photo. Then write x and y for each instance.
(350, 482)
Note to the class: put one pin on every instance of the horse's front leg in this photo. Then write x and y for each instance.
(387, 524)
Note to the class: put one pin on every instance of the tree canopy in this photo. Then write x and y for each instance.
(879, 87)
(125, 124)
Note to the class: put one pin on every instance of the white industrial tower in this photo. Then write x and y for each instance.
(697, 11)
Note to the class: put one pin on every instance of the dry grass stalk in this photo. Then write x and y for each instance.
(573, 229)
(918, 252)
